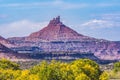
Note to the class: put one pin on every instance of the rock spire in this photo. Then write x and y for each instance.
(55, 21)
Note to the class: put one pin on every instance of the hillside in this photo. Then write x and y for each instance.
(6, 42)
(57, 37)
(10, 54)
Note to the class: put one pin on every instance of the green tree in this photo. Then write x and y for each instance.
(86, 66)
(47, 71)
(55, 70)
(82, 69)
(6, 64)
(9, 74)
(117, 66)
(82, 76)
(104, 76)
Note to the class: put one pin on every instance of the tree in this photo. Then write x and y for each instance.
(117, 66)
(86, 66)
(56, 70)
(104, 76)
(82, 69)
(9, 74)
(82, 76)
(6, 64)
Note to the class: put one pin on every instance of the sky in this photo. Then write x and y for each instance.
(95, 18)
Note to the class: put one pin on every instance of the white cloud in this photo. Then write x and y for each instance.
(62, 4)
(20, 28)
(104, 21)
(106, 4)
(56, 3)
(24, 4)
(93, 24)
(112, 16)
(65, 5)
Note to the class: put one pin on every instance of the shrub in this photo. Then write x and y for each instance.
(117, 66)
(6, 64)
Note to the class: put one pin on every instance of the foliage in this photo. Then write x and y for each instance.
(9, 74)
(117, 66)
(114, 75)
(6, 64)
(104, 76)
(67, 71)
(82, 69)
(86, 66)
(82, 76)
(115, 72)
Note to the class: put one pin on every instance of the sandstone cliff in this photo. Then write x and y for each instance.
(58, 37)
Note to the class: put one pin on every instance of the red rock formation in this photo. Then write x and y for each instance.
(58, 37)
(56, 31)
(5, 42)
(10, 54)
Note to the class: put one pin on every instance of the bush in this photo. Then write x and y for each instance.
(6, 64)
(67, 71)
(82, 69)
(115, 73)
(117, 66)
(104, 76)
(82, 76)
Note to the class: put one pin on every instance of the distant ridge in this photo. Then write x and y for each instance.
(6, 42)
(10, 54)
(4, 49)
(57, 37)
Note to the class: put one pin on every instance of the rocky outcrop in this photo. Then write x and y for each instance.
(4, 49)
(58, 37)
(56, 31)
(10, 54)
(6, 42)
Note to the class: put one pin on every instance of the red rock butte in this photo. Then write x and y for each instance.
(57, 37)
(56, 31)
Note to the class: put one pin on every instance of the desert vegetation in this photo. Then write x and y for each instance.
(114, 74)
(82, 69)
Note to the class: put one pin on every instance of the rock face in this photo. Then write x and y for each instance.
(9, 54)
(56, 31)
(4, 49)
(57, 37)
(6, 42)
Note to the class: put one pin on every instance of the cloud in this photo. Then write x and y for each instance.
(20, 28)
(112, 16)
(65, 5)
(106, 4)
(56, 3)
(104, 26)
(59, 4)
(24, 4)
(93, 24)
(104, 21)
